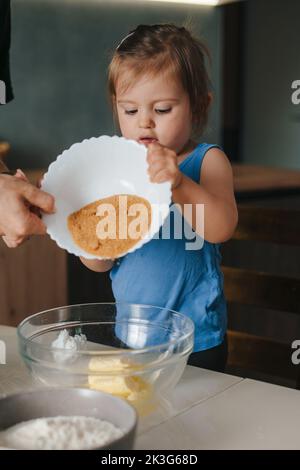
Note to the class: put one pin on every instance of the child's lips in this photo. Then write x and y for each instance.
(147, 140)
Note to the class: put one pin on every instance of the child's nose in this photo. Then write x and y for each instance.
(145, 121)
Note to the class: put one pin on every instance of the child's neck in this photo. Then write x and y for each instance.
(186, 150)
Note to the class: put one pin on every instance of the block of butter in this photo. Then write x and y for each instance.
(128, 386)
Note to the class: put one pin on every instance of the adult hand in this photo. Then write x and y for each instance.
(20, 206)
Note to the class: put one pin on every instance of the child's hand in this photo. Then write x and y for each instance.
(163, 165)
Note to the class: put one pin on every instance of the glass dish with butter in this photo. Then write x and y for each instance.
(137, 352)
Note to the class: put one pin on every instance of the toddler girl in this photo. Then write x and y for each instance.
(160, 93)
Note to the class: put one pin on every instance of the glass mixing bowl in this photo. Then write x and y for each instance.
(137, 352)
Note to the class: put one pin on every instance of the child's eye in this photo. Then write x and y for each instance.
(163, 111)
(130, 111)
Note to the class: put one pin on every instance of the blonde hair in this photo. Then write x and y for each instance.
(151, 49)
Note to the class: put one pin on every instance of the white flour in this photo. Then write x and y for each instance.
(69, 343)
(65, 341)
(60, 432)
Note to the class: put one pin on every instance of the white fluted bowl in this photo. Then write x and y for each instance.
(98, 168)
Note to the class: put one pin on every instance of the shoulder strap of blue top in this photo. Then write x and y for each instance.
(192, 164)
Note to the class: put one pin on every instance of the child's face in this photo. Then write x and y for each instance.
(155, 109)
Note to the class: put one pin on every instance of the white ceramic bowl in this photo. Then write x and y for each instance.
(94, 169)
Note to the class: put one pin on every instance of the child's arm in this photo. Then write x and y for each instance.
(215, 191)
(100, 266)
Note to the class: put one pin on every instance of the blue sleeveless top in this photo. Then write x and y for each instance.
(165, 274)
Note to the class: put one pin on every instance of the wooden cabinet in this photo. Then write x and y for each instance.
(33, 277)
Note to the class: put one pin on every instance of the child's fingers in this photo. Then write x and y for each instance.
(154, 149)
(155, 167)
(161, 177)
(155, 146)
(158, 152)
(154, 157)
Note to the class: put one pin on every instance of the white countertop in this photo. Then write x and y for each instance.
(206, 410)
